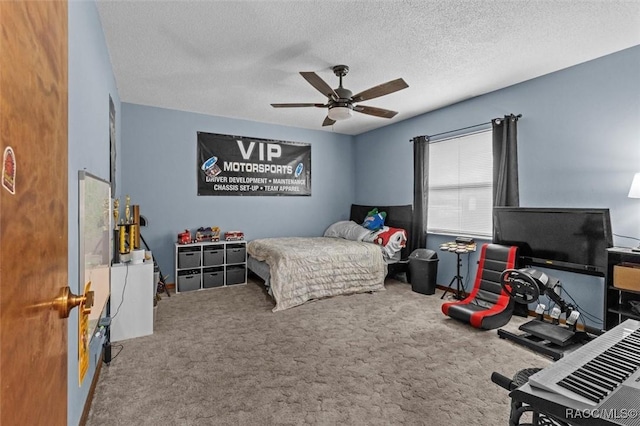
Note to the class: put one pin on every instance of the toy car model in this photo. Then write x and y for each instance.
(234, 235)
(208, 234)
(184, 237)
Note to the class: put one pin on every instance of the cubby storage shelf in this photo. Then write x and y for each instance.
(210, 265)
(618, 298)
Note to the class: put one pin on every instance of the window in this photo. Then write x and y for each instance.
(461, 186)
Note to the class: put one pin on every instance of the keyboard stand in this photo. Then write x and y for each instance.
(546, 338)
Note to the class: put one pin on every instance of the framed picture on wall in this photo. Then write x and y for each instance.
(112, 146)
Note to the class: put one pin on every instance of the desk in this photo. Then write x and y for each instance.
(564, 411)
(132, 294)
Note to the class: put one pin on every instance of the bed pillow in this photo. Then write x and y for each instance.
(392, 240)
(374, 219)
(347, 229)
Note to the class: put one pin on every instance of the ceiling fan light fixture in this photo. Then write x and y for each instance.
(341, 102)
(338, 113)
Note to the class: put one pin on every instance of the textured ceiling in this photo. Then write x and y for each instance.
(235, 58)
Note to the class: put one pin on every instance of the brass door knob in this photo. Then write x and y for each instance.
(67, 301)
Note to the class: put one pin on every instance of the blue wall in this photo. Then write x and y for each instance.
(91, 81)
(159, 173)
(578, 142)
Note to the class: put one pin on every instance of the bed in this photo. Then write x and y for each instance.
(298, 269)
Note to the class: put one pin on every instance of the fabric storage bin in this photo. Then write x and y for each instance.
(213, 277)
(627, 276)
(189, 280)
(189, 257)
(212, 255)
(236, 274)
(236, 253)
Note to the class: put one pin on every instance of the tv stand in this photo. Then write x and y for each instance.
(546, 338)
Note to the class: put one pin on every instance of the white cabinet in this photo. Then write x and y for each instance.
(210, 264)
(132, 294)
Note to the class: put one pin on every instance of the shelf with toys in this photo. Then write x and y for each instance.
(207, 262)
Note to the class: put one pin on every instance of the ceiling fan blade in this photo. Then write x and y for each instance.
(380, 90)
(378, 112)
(298, 105)
(328, 122)
(320, 85)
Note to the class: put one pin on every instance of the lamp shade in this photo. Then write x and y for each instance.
(339, 113)
(634, 191)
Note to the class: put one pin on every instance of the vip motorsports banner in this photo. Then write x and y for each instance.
(237, 165)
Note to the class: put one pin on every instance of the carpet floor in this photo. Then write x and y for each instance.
(221, 357)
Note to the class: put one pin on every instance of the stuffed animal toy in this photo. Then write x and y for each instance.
(374, 219)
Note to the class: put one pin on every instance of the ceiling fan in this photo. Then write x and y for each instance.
(341, 101)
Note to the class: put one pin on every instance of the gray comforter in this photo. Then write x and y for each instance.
(303, 269)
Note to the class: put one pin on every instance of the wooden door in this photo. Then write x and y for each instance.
(33, 212)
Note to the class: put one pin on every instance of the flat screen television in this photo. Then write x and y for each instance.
(571, 239)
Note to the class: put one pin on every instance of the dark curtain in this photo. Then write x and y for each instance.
(505, 161)
(505, 172)
(418, 234)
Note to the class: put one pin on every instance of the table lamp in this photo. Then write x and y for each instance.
(634, 191)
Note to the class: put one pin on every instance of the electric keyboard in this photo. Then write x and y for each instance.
(597, 369)
(602, 375)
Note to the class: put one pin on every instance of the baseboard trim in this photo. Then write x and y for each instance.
(92, 389)
(448, 289)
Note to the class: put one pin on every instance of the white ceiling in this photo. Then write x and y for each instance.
(235, 58)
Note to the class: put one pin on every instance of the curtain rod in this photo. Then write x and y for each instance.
(468, 127)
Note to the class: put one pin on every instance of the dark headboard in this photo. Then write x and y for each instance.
(397, 217)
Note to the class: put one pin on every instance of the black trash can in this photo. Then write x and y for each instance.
(423, 271)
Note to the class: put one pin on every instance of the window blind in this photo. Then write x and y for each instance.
(461, 185)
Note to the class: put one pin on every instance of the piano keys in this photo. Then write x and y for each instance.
(602, 375)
